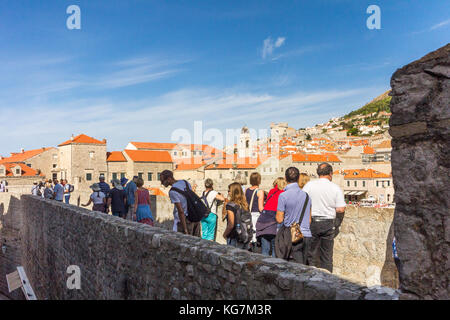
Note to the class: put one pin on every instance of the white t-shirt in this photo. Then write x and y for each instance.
(326, 196)
(211, 200)
(97, 197)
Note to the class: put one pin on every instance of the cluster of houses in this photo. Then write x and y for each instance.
(362, 166)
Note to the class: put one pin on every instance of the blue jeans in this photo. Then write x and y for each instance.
(66, 198)
(267, 243)
(234, 243)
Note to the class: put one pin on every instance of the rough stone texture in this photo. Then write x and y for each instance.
(362, 250)
(420, 127)
(10, 223)
(125, 260)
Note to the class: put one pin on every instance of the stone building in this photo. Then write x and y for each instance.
(19, 177)
(308, 163)
(82, 160)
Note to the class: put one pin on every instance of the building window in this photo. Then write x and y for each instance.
(55, 176)
(149, 176)
(122, 175)
(348, 183)
(140, 175)
(174, 153)
(159, 176)
(355, 183)
(377, 183)
(114, 175)
(88, 176)
(364, 183)
(388, 198)
(29, 165)
(54, 165)
(220, 176)
(388, 183)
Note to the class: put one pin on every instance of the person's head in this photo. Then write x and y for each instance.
(116, 184)
(292, 174)
(101, 178)
(325, 170)
(166, 178)
(236, 195)
(209, 183)
(96, 187)
(139, 182)
(280, 183)
(135, 178)
(55, 181)
(304, 179)
(255, 179)
(241, 179)
(63, 182)
(123, 181)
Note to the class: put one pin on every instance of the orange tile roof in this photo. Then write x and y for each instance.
(26, 170)
(368, 150)
(363, 174)
(115, 156)
(363, 142)
(154, 145)
(82, 139)
(22, 156)
(149, 156)
(386, 144)
(157, 192)
(326, 157)
(189, 163)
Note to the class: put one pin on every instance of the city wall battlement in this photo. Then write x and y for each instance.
(120, 259)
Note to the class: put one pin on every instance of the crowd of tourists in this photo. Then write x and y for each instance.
(296, 220)
(291, 221)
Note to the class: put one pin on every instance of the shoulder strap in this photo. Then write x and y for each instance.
(205, 197)
(187, 185)
(303, 210)
(267, 200)
(251, 201)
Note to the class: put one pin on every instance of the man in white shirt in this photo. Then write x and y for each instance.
(328, 208)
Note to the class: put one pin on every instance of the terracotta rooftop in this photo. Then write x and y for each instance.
(82, 139)
(368, 150)
(149, 156)
(115, 156)
(362, 174)
(22, 156)
(301, 157)
(26, 170)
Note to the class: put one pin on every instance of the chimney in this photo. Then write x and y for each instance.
(71, 138)
(104, 140)
(22, 150)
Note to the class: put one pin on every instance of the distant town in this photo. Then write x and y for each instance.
(357, 145)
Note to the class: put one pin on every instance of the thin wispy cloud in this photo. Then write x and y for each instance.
(434, 27)
(269, 45)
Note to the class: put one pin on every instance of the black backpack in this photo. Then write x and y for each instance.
(197, 210)
(244, 218)
(71, 188)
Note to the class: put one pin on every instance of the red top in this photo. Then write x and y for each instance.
(143, 196)
(272, 203)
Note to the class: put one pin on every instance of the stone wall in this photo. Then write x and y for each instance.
(420, 127)
(362, 250)
(10, 224)
(120, 259)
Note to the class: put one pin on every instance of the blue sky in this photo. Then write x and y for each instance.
(138, 70)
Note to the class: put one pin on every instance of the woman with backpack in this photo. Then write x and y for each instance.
(234, 210)
(98, 198)
(266, 226)
(210, 198)
(255, 200)
(142, 212)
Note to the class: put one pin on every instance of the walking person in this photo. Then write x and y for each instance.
(117, 199)
(48, 191)
(58, 191)
(181, 221)
(235, 205)
(142, 212)
(34, 189)
(328, 208)
(255, 200)
(98, 199)
(2, 186)
(130, 191)
(105, 188)
(210, 198)
(293, 212)
(266, 226)
(68, 188)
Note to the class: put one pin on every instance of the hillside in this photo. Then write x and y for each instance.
(380, 103)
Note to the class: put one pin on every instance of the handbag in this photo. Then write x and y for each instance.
(296, 232)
